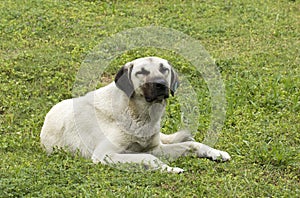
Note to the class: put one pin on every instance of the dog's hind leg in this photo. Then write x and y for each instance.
(180, 136)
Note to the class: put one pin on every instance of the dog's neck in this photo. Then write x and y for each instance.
(140, 118)
(135, 115)
(139, 109)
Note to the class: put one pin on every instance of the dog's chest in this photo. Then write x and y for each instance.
(139, 144)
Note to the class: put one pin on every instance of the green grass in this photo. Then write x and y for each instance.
(255, 45)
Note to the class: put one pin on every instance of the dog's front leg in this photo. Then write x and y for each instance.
(173, 151)
(147, 160)
(108, 153)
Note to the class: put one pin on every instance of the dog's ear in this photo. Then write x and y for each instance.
(123, 79)
(174, 81)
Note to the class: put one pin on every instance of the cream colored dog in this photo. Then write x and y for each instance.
(120, 123)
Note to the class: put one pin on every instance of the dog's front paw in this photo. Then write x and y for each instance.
(218, 155)
(172, 169)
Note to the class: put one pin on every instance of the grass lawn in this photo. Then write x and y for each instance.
(255, 45)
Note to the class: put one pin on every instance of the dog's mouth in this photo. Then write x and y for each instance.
(157, 99)
(155, 92)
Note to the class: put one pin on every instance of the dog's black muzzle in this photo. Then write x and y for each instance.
(156, 90)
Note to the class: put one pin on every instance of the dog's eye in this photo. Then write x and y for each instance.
(142, 72)
(163, 69)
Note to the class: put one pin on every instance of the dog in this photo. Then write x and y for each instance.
(120, 123)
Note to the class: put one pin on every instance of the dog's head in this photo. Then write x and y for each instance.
(152, 78)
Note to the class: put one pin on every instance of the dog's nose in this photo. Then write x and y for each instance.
(159, 84)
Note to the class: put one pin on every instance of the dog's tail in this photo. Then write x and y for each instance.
(180, 136)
